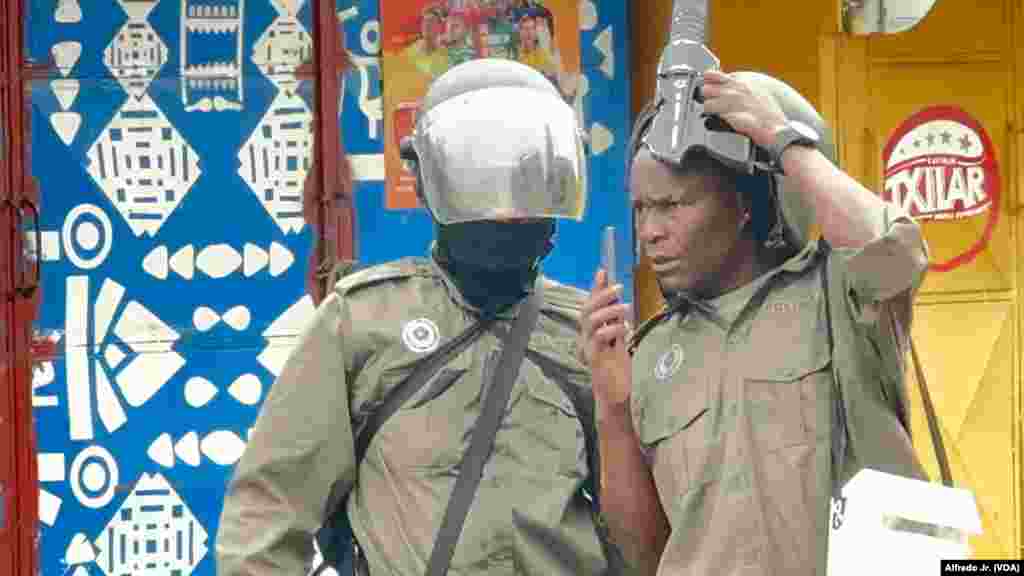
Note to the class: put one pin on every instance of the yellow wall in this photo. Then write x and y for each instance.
(968, 321)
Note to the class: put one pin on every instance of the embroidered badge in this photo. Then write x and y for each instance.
(669, 362)
(421, 335)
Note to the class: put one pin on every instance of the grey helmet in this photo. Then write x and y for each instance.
(674, 124)
(796, 214)
(493, 138)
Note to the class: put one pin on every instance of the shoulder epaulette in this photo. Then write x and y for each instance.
(563, 297)
(389, 271)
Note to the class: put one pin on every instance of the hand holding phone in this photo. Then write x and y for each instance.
(605, 329)
(608, 260)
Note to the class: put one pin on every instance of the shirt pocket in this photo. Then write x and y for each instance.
(781, 397)
(781, 411)
(666, 430)
(552, 423)
(425, 434)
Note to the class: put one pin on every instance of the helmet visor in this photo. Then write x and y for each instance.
(503, 152)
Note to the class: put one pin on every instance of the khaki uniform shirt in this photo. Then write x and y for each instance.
(528, 516)
(731, 403)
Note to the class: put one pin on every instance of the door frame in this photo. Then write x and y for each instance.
(19, 302)
(330, 212)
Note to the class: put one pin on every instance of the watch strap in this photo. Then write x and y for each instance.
(784, 138)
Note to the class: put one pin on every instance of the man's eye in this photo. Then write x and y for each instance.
(660, 206)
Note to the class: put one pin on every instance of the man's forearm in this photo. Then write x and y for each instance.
(629, 497)
(845, 210)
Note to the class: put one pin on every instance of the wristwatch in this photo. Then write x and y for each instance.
(794, 133)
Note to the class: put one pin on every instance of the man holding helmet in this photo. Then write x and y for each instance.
(415, 476)
(774, 373)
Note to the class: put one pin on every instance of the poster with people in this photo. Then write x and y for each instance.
(421, 39)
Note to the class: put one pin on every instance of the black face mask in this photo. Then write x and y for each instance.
(497, 246)
(493, 263)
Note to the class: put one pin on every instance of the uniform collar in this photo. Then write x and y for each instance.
(797, 263)
(681, 309)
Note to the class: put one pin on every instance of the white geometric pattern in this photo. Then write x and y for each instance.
(143, 165)
(588, 15)
(284, 46)
(65, 56)
(205, 318)
(153, 533)
(142, 332)
(218, 260)
(51, 469)
(283, 332)
(219, 81)
(604, 45)
(601, 138)
(68, 12)
(277, 157)
(65, 123)
(136, 54)
(221, 447)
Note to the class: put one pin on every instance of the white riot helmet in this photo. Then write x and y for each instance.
(494, 139)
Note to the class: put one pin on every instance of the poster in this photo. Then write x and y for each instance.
(424, 38)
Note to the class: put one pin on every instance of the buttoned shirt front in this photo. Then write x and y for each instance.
(731, 405)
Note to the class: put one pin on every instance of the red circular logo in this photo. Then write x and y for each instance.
(940, 165)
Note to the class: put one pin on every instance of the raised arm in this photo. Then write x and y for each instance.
(629, 498)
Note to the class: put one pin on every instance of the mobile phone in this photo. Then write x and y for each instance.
(608, 258)
(608, 254)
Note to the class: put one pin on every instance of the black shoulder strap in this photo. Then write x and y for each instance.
(417, 379)
(591, 488)
(338, 532)
(929, 409)
(839, 425)
(500, 376)
(839, 431)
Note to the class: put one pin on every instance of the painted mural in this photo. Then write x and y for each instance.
(171, 143)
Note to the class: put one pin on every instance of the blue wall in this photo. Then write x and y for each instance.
(175, 253)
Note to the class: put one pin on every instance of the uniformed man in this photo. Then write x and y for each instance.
(495, 222)
(736, 419)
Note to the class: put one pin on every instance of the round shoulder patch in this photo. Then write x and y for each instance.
(421, 335)
(669, 362)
